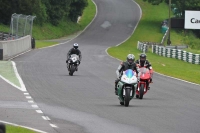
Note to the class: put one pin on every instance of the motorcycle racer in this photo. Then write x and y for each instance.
(76, 51)
(129, 64)
(143, 62)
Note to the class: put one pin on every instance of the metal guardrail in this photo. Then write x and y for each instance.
(177, 54)
(171, 52)
(142, 47)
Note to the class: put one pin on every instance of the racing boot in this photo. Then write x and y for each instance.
(116, 81)
(148, 88)
(116, 93)
(151, 80)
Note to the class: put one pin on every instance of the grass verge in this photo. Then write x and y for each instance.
(149, 30)
(7, 71)
(16, 129)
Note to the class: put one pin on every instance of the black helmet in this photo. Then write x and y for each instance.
(75, 45)
(143, 57)
(130, 59)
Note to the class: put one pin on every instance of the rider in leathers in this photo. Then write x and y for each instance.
(76, 51)
(129, 64)
(143, 62)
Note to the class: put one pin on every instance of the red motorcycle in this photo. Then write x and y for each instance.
(145, 80)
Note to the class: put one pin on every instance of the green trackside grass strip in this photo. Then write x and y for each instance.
(149, 30)
(88, 14)
(42, 44)
(7, 71)
(16, 129)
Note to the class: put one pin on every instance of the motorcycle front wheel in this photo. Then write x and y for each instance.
(127, 97)
(71, 70)
(141, 91)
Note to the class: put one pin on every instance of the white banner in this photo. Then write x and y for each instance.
(192, 19)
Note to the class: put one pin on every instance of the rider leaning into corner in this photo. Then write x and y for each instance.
(76, 51)
(143, 62)
(128, 64)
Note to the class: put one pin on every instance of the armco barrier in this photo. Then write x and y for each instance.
(177, 54)
(171, 52)
(142, 47)
(14, 47)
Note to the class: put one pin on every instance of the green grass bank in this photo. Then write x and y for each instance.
(17, 129)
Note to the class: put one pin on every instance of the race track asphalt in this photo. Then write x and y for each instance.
(85, 102)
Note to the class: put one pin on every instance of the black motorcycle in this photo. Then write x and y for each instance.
(72, 64)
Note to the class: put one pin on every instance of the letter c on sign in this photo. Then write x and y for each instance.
(191, 20)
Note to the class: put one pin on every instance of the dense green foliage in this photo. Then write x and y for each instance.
(46, 11)
(181, 5)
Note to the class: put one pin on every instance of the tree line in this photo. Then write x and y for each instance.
(181, 5)
(46, 11)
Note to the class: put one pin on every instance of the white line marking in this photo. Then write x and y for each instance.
(46, 118)
(28, 97)
(30, 101)
(26, 93)
(23, 88)
(10, 82)
(39, 111)
(33, 129)
(34, 106)
(52, 125)
(177, 79)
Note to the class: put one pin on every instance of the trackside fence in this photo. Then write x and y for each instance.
(171, 52)
(177, 54)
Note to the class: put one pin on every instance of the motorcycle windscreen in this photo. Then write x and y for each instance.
(129, 73)
(143, 70)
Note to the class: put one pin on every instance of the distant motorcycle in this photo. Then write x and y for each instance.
(72, 64)
(126, 87)
(143, 83)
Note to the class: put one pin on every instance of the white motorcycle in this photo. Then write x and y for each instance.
(72, 64)
(126, 87)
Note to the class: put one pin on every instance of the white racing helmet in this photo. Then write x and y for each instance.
(130, 59)
(75, 45)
